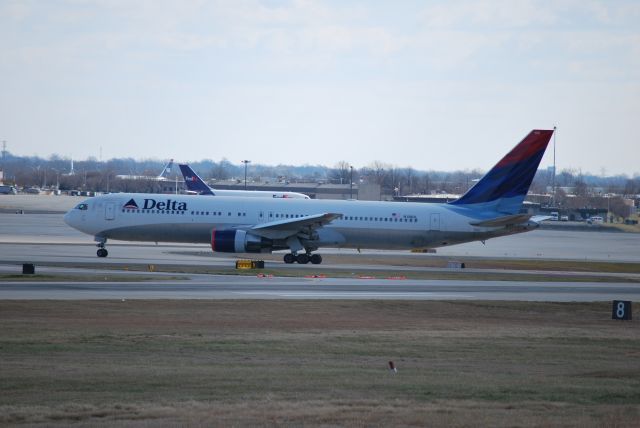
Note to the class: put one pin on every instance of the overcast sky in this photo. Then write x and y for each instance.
(433, 85)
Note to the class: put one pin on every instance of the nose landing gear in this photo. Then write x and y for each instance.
(102, 252)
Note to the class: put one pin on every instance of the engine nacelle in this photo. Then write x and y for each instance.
(239, 241)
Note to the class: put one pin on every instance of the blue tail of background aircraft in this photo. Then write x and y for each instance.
(504, 188)
(193, 182)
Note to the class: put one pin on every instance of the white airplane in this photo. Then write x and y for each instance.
(166, 171)
(489, 209)
(197, 185)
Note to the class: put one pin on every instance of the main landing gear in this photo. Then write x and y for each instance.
(102, 252)
(303, 258)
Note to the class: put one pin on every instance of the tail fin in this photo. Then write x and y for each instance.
(504, 188)
(166, 170)
(193, 182)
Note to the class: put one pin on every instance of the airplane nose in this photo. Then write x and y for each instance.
(67, 218)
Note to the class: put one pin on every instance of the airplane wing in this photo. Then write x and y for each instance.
(282, 229)
(502, 221)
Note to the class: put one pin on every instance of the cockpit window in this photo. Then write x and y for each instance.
(82, 207)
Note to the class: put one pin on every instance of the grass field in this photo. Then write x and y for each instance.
(316, 363)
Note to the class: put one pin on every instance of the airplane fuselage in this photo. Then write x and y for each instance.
(192, 219)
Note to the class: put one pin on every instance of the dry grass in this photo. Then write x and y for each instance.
(320, 363)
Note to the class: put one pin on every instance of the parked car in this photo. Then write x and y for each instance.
(564, 218)
(32, 190)
(8, 190)
(596, 219)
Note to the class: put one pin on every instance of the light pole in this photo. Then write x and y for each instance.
(553, 183)
(350, 181)
(245, 162)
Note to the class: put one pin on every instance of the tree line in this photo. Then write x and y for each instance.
(101, 176)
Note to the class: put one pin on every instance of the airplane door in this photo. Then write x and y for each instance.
(434, 222)
(110, 211)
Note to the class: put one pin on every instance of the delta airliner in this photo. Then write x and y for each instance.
(489, 209)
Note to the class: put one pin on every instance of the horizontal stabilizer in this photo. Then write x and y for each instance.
(502, 221)
(539, 218)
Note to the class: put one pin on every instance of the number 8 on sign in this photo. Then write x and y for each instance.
(621, 310)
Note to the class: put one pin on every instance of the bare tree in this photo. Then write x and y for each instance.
(341, 172)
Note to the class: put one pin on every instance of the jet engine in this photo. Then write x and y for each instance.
(239, 241)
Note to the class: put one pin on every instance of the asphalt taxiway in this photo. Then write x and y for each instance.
(266, 287)
(45, 239)
(545, 244)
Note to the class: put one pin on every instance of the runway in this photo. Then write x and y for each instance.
(44, 238)
(248, 287)
(539, 244)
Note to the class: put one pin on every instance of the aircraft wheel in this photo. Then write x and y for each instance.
(102, 252)
(289, 258)
(316, 259)
(303, 259)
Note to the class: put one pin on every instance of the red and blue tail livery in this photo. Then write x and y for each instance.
(505, 186)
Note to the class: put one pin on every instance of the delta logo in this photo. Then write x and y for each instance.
(131, 205)
(152, 204)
